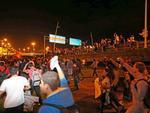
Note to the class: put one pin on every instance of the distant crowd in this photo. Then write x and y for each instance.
(104, 44)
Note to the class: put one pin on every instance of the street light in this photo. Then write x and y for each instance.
(9, 45)
(5, 39)
(24, 50)
(45, 38)
(28, 48)
(57, 26)
(2, 43)
(145, 26)
(33, 45)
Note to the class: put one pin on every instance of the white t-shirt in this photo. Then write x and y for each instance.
(14, 88)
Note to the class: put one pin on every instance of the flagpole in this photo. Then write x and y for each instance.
(56, 34)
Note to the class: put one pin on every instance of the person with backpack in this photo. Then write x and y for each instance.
(54, 88)
(139, 86)
(34, 78)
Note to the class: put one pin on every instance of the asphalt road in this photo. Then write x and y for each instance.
(84, 97)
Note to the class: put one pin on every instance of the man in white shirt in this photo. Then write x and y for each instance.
(14, 88)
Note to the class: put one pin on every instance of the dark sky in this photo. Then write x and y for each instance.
(24, 21)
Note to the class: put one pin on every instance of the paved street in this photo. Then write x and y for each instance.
(84, 97)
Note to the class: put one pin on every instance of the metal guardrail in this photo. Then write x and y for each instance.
(23, 54)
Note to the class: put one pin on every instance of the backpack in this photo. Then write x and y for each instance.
(36, 78)
(72, 109)
(147, 95)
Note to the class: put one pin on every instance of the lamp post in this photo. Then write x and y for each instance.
(9, 45)
(45, 38)
(2, 44)
(145, 26)
(56, 34)
(28, 48)
(5, 44)
(24, 50)
(5, 39)
(33, 46)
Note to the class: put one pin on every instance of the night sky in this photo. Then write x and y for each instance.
(24, 21)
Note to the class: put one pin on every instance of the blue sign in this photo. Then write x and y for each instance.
(75, 42)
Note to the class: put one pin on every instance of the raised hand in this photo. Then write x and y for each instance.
(54, 62)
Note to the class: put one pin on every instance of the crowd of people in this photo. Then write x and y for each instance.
(45, 82)
(104, 44)
(135, 82)
(28, 80)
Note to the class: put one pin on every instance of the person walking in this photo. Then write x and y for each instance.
(14, 88)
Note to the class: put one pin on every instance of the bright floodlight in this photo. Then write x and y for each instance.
(33, 43)
(5, 39)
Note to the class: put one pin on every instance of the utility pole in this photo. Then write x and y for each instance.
(91, 35)
(57, 26)
(44, 45)
(145, 26)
